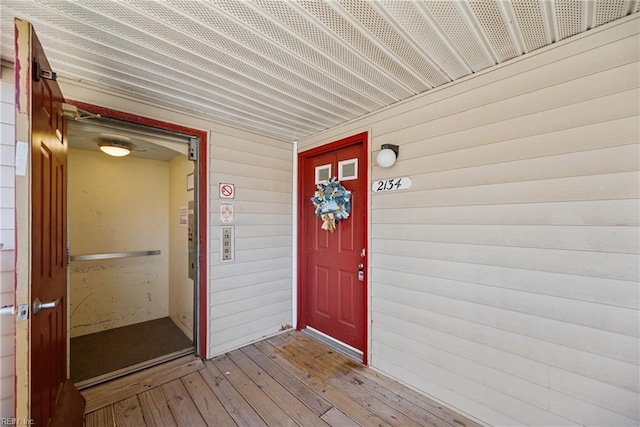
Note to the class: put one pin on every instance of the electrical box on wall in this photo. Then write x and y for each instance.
(226, 244)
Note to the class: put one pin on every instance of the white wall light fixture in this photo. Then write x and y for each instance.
(387, 155)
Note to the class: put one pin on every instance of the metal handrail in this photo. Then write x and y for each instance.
(113, 255)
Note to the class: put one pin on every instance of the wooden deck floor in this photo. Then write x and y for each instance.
(287, 380)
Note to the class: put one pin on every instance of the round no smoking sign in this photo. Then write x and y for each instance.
(227, 191)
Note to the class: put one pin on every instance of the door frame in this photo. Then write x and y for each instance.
(200, 175)
(22, 374)
(304, 199)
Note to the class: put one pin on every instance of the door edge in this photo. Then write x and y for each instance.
(22, 294)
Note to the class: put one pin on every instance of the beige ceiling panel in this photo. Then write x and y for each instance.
(289, 69)
(494, 27)
(348, 65)
(531, 24)
(461, 33)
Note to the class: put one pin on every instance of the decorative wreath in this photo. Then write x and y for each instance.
(332, 202)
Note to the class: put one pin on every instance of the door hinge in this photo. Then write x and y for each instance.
(41, 73)
(68, 256)
(193, 148)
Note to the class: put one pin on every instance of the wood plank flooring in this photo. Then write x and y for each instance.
(286, 380)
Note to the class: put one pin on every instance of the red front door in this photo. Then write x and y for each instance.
(332, 279)
(48, 328)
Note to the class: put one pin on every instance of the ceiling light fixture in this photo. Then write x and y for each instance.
(114, 149)
(117, 147)
(387, 155)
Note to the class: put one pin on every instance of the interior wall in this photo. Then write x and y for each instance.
(180, 285)
(7, 232)
(504, 282)
(117, 204)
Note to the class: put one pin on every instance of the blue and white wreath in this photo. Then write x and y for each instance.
(332, 202)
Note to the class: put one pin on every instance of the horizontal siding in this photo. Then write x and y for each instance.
(7, 237)
(617, 346)
(260, 219)
(261, 146)
(279, 163)
(257, 231)
(231, 169)
(572, 97)
(582, 188)
(225, 297)
(510, 81)
(596, 213)
(504, 282)
(260, 274)
(483, 165)
(595, 238)
(261, 325)
(263, 208)
(516, 410)
(484, 149)
(250, 297)
(586, 413)
(248, 267)
(252, 183)
(585, 263)
(480, 337)
(242, 311)
(536, 127)
(590, 314)
(263, 242)
(598, 393)
(613, 292)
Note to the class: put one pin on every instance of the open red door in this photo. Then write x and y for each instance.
(41, 129)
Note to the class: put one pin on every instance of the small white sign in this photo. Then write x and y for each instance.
(391, 184)
(227, 191)
(184, 215)
(22, 155)
(226, 212)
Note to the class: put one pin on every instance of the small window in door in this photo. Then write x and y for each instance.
(323, 174)
(348, 169)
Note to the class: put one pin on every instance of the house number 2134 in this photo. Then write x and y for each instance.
(391, 184)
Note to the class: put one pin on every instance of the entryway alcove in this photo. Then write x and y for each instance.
(131, 291)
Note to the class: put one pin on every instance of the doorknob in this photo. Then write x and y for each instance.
(37, 305)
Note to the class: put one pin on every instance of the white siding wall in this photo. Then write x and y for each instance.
(250, 298)
(7, 227)
(505, 281)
